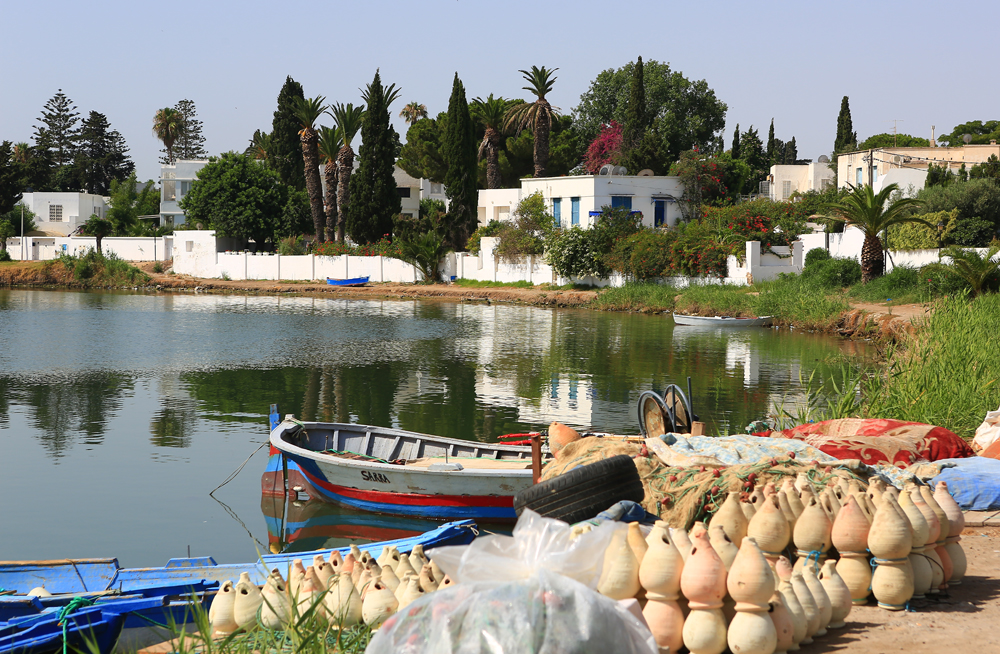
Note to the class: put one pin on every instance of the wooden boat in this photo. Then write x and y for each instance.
(398, 472)
(721, 321)
(127, 600)
(353, 281)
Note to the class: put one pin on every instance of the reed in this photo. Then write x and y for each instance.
(636, 296)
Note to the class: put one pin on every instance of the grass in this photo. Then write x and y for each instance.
(636, 296)
(473, 283)
(94, 269)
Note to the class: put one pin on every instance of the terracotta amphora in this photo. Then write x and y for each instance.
(923, 576)
(750, 581)
(784, 627)
(620, 578)
(378, 605)
(660, 575)
(247, 603)
(809, 608)
(838, 593)
(800, 623)
(413, 592)
(732, 519)
(892, 582)
(890, 537)
(854, 569)
(724, 547)
(823, 605)
(275, 608)
(703, 579)
(850, 529)
(769, 528)
(220, 613)
(636, 541)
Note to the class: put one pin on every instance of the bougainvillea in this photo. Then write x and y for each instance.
(605, 149)
(383, 247)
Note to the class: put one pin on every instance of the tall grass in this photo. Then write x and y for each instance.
(93, 269)
(636, 296)
(474, 283)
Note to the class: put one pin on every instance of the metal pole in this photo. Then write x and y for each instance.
(22, 231)
(536, 458)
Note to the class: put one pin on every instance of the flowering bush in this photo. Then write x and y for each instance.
(383, 247)
(604, 149)
(771, 223)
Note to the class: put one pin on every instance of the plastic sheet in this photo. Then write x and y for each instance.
(530, 592)
(987, 433)
(974, 482)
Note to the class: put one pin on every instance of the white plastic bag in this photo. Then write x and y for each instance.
(530, 592)
(988, 432)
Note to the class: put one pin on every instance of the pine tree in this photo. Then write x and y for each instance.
(847, 138)
(771, 154)
(285, 155)
(791, 152)
(374, 198)
(190, 143)
(736, 142)
(459, 152)
(59, 134)
(101, 156)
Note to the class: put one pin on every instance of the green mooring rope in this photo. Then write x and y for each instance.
(74, 604)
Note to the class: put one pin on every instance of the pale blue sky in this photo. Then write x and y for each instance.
(792, 61)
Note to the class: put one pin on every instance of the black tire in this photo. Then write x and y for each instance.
(583, 492)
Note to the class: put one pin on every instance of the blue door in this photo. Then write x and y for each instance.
(659, 212)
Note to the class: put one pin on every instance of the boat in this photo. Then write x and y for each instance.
(130, 603)
(353, 281)
(721, 321)
(397, 472)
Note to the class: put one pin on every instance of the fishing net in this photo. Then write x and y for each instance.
(683, 496)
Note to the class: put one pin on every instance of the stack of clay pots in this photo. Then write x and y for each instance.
(342, 591)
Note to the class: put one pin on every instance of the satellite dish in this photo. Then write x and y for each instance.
(897, 159)
(967, 138)
(607, 169)
(646, 172)
(619, 170)
(823, 159)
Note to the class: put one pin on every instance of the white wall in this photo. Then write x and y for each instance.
(848, 245)
(800, 177)
(76, 210)
(129, 248)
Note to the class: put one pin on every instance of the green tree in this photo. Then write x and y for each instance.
(102, 155)
(459, 150)
(791, 152)
(978, 271)
(7, 230)
(260, 146)
(349, 120)
(308, 111)
(99, 228)
(847, 138)
(58, 133)
(330, 143)
(424, 252)
(525, 234)
(684, 114)
(771, 146)
(490, 112)
(167, 125)
(873, 214)
(636, 122)
(374, 198)
(753, 153)
(413, 112)
(421, 156)
(18, 214)
(285, 155)
(537, 115)
(981, 132)
(886, 140)
(10, 178)
(124, 213)
(736, 142)
(239, 198)
(190, 142)
(989, 169)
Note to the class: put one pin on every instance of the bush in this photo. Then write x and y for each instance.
(914, 236)
(899, 282)
(973, 232)
(424, 251)
(491, 228)
(976, 198)
(572, 253)
(158, 267)
(698, 249)
(384, 247)
(526, 234)
(833, 273)
(816, 255)
(5, 255)
(645, 255)
(291, 245)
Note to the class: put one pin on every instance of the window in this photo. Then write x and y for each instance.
(168, 191)
(860, 177)
(557, 211)
(574, 210)
(786, 189)
(55, 213)
(437, 189)
(874, 174)
(185, 188)
(404, 191)
(621, 201)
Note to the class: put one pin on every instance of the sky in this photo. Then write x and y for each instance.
(790, 61)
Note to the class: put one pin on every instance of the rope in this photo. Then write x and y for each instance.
(74, 604)
(237, 471)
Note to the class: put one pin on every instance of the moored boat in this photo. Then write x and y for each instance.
(721, 321)
(352, 281)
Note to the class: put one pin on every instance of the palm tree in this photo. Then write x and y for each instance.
(167, 126)
(975, 269)
(868, 211)
(491, 113)
(307, 111)
(98, 228)
(348, 119)
(22, 152)
(329, 148)
(537, 115)
(260, 146)
(413, 112)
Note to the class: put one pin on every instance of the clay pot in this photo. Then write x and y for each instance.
(793, 498)
(220, 613)
(247, 602)
(812, 532)
(275, 609)
(732, 519)
(324, 571)
(750, 581)
(296, 575)
(417, 558)
(823, 604)
(956, 519)
(378, 605)
(620, 578)
(636, 541)
(802, 482)
(892, 582)
(665, 620)
(922, 573)
(438, 572)
(786, 509)
(724, 547)
(682, 541)
(757, 498)
(342, 603)
(413, 592)
(925, 492)
(854, 569)
(850, 530)
(336, 562)
(749, 510)
(389, 578)
(809, 607)
(890, 536)
(752, 632)
(403, 567)
(446, 582)
(769, 528)
(838, 593)
(560, 436)
(310, 595)
(703, 579)
(783, 569)
(660, 570)
(800, 622)
(427, 580)
(959, 563)
(784, 627)
(364, 582)
(705, 632)
(349, 562)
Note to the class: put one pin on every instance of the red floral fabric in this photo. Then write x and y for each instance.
(894, 442)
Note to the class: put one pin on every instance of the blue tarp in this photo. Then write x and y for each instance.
(974, 482)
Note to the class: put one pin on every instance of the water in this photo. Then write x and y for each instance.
(120, 412)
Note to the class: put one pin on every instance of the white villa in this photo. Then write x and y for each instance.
(175, 183)
(62, 214)
(577, 200)
(787, 179)
(906, 166)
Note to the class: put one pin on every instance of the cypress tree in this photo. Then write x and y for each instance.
(635, 117)
(285, 155)
(736, 142)
(374, 198)
(847, 138)
(771, 154)
(459, 152)
(791, 152)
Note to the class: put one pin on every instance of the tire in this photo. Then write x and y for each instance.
(583, 492)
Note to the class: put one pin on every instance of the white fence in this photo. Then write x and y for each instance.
(130, 248)
(848, 245)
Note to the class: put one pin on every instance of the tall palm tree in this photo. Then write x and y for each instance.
(307, 111)
(22, 152)
(870, 213)
(167, 126)
(491, 112)
(260, 146)
(348, 119)
(413, 112)
(99, 228)
(329, 147)
(537, 115)
(976, 270)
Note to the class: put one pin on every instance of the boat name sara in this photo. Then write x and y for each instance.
(374, 476)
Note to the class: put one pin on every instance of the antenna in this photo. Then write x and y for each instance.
(894, 121)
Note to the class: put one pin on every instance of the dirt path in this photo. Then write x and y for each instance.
(965, 620)
(911, 312)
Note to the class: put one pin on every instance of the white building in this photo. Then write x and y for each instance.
(62, 214)
(577, 200)
(787, 179)
(409, 189)
(906, 166)
(175, 183)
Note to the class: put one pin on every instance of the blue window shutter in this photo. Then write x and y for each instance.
(557, 211)
(621, 201)
(575, 210)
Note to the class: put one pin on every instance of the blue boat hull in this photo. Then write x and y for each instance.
(353, 281)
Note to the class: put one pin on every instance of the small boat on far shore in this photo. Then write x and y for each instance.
(353, 281)
(721, 321)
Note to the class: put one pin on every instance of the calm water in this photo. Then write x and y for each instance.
(119, 413)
